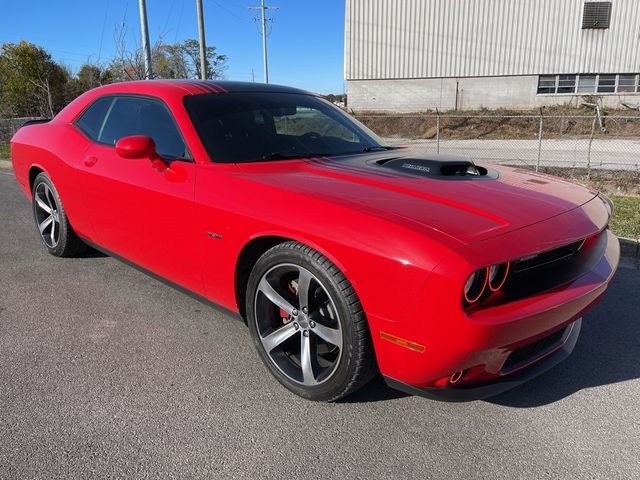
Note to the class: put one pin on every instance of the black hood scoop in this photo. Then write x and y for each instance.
(444, 169)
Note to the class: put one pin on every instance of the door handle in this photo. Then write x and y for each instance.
(90, 161)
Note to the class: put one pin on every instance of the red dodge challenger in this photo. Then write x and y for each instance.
(345, 256)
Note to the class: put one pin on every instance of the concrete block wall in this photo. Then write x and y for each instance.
(411, 95)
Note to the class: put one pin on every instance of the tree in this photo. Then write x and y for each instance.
(340, 98)
(170, 61)
(179, 60)
(216, 64)
(31, 83)
(90, 75)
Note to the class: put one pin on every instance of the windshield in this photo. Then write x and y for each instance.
(260, 126)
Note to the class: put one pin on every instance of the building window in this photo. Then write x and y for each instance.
(566, 83)
(588, 84)
(596, 15)
(547, 84)
(627, 83)
(606, 83)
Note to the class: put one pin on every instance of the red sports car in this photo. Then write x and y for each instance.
(344, 256)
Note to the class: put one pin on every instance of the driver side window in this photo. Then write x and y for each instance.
(142, 116)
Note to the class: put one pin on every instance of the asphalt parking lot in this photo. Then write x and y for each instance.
(106, 372)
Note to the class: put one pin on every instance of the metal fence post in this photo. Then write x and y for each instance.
(593, 130)
(540, 141)
(437, 131)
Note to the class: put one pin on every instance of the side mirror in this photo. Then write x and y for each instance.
(136, 146)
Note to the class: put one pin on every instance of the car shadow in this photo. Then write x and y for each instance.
(608, 351)
(374, 391)
(91, 252)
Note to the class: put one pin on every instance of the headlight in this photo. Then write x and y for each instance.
(476, 283)
(498, 275)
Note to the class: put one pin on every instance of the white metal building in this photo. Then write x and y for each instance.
(410, 55)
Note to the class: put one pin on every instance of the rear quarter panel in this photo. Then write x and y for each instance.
(56, 148)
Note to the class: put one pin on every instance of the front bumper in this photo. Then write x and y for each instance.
(466, 393)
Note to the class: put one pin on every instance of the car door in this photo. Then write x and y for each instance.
(139, 212)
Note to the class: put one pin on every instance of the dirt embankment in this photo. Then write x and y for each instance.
(609, 182)
(504, 124)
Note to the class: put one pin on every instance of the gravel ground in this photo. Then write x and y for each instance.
(106, 372)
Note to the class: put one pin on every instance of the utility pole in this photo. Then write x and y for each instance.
(203, 47)
(263, 8)
(144, 29)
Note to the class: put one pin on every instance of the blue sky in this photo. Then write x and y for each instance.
(305, 44)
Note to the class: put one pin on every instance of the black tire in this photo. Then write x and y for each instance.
(335, 371)
(57, 236)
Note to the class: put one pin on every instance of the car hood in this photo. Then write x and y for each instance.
(412, 189)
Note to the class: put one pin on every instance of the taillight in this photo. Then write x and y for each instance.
(498, 275)
(475, 286)
(486, 280)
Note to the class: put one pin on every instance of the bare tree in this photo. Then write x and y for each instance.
(180, 60)
(45, 98)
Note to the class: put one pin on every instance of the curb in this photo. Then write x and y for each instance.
(629, 247)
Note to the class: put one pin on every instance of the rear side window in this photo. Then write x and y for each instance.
(91, 119)
(143, 116)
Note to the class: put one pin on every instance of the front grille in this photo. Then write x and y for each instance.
(547, 258)
(531, 351)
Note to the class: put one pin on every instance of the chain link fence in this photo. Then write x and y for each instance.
(567, 141)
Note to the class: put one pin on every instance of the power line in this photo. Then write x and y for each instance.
(104, 24)
(229, 12)
(78, 54)
(175, 38)
(169, 12)
(263, 8)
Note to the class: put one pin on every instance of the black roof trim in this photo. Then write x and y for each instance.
(228, 86)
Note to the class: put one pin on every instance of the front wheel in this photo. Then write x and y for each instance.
(307, 323)
(54, 228)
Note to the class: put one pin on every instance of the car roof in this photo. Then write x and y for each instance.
(197, 87)
(169, 89)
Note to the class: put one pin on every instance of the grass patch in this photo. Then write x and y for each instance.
(4, 151)
(626, 217)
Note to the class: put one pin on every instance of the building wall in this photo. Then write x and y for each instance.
(404, 39)
(412, 95)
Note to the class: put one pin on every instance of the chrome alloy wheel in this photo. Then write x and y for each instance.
(47, 216)
(298, 324)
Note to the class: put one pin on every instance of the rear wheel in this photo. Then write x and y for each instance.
(307, 323)
(54, 228)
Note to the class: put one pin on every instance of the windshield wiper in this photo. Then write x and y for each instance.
(378, 148)
(292, 155)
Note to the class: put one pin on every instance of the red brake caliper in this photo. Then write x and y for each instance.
(293, 288)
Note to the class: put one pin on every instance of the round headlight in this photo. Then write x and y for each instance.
(498, 275)
(475, 285)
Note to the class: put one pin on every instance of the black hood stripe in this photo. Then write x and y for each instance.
(198, 87)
